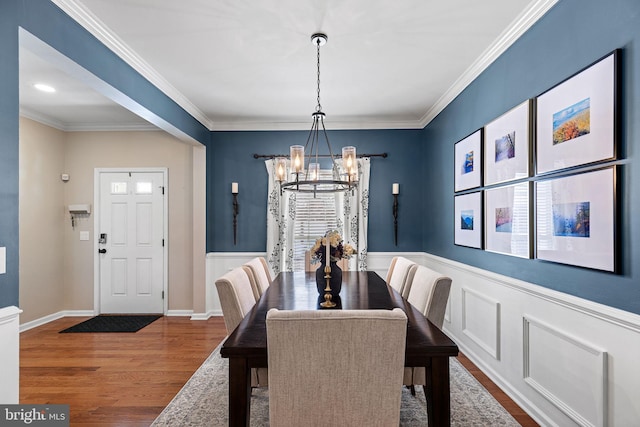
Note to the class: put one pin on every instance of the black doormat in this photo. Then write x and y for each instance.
(114, 323)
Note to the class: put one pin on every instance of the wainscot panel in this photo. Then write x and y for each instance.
(564, 360)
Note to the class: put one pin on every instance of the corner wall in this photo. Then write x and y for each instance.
(571, 36)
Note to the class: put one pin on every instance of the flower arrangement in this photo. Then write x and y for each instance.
(338, 250)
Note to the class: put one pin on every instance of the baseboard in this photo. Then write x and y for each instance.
(207, 315)
(179, 313)
(55, 316)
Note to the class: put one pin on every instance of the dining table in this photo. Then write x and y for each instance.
(427, 346)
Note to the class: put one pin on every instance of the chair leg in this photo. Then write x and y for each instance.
(413, 390)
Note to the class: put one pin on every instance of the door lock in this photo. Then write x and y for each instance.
(102, 251)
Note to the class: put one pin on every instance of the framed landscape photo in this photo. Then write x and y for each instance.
(576, 120)
(507, 216)
(468, 220)
(507, 142)
(467, 162)
(575, 219)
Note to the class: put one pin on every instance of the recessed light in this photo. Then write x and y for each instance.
(45, 88)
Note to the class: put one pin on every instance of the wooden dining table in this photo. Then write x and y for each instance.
(427, 346)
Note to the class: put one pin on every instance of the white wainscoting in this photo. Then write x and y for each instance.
(565, 360)
(544, 346)
(481, 321)
(10, 355)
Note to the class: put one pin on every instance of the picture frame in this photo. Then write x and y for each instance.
(468, 220)
(507, 216)
(576, 120)
(507, 145)
(468, 162)
(575, 219)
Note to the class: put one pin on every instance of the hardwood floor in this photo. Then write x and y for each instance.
(124, 379)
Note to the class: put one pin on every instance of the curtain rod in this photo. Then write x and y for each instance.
(271, 156)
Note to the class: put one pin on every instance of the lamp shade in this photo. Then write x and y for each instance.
(281, 169)
(296, 154)
(349, 161)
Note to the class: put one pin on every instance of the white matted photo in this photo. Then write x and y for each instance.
(467, 162)
(507, 142)
(507, 220)
(575, 121)
(575, 219)
(468, 220)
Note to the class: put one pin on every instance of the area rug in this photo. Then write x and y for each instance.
(114, 323)
(203, 401)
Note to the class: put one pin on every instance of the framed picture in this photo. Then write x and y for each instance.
(507, 220)
(576, 120)
(468, 220)
(575, 219)
(507, 142)
(467, 162)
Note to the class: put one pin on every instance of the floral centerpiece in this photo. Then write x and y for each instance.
(337, 249)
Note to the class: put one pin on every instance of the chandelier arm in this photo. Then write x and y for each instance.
(334, 165)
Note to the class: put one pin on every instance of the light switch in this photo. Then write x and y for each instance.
(3, 260)
(84, 235)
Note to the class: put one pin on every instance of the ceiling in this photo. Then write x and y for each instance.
(246, 64)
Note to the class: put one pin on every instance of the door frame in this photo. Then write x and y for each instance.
(96, 231)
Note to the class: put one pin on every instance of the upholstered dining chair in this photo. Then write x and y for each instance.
(397, 274)
(335, 367)
(237, 299)
(259, 275)
(428, 293)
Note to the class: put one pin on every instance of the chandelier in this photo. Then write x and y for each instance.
(307, 179)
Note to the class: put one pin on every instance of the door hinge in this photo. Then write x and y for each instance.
(163, 243)
(162, 190)
(162, 294)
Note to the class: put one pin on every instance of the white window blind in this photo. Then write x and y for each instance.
(314, 216)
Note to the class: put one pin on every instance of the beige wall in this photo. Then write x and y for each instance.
(78, 154)
(42, 220)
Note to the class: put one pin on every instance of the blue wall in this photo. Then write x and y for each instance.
(230, 159)
(47, 22)
(574, 34)
(571, 36)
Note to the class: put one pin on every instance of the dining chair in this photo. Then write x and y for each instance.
(335, 367)
(397, 274)
(237, 299)
(259, 275)
(428, 293)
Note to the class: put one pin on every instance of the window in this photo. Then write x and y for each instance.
(314, 216)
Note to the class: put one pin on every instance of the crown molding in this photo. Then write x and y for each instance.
(98, 29)
(518, 27)
(105, 35)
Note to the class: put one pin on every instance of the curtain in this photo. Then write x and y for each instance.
(352, 208)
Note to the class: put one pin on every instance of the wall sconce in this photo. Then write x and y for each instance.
(395, 190)
(234, 191)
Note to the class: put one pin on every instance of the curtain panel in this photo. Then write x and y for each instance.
(352, 208)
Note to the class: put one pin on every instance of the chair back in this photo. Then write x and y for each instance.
(258, 275)
(397, 274)
(429, 292)
(236, 297)
(335, 367)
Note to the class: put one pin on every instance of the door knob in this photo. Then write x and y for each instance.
(102, 251)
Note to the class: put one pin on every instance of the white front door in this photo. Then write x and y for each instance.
(131, 242)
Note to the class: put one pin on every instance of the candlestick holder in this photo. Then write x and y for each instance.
(327, 296)
(235, 218)
(395, 218)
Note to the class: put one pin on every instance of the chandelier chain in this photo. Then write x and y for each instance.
(319, 106)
